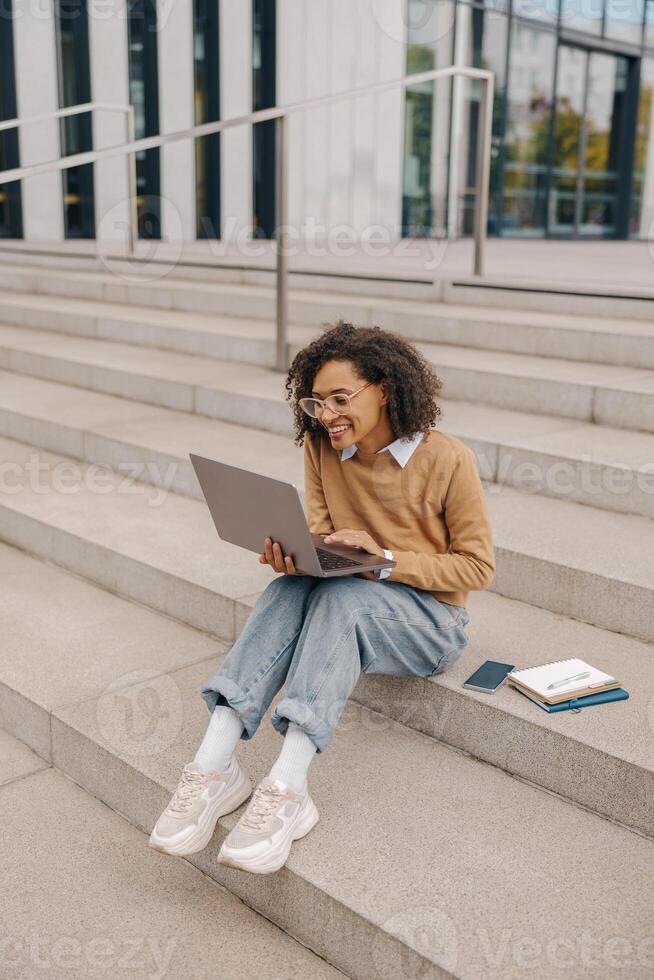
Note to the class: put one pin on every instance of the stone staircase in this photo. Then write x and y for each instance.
(127, 911)
(459, 834)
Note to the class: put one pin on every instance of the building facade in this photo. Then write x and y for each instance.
(572, 153)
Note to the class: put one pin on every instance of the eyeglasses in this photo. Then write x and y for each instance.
(340, 404)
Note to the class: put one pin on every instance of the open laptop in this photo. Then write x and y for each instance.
(249, 507)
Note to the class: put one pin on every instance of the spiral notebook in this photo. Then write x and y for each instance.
(536, 680)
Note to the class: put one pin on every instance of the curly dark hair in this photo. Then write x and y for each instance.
(378, 355)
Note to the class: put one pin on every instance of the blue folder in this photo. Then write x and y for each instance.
(576, 704)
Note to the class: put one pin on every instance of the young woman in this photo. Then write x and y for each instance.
(380, 478)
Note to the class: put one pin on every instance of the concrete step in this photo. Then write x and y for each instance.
(128, 909)
(599, 393)
(468, 851)
(611, 469)
(151, 546)
(562, 556)
(57, 651)
(207, 261)
(242, 329)
(591, 299)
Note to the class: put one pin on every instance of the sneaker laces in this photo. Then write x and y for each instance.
(189, 785)
(262, 805)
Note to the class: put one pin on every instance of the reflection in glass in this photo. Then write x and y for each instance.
(486, 42)
(624, 20)
(570, 97)
(207, 109)
(648, 37)
(264, 95)
(583, 15)
(642, 198)
(430, 39)
(607, 83)
(590, 97)
(144, 96)
(543, 10)
(531, 75)
(76, 131)
(11, 221)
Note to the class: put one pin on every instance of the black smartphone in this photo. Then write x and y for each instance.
(488, 677)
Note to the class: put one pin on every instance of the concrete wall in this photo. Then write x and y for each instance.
(110, 85)
(176, 95)
(342, 173)
(37, 94)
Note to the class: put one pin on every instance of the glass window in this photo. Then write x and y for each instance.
(430, 38)
(528, 122)
(568, 127)
(642, 196)
(649, 24)
(264, 95)
(624, 20)
(207, 109)
(486, 42)
(546, 11)
(76, 131)
(144, 96)
(11, 223)
(584, 15)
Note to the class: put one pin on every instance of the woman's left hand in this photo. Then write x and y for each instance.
(355, 539)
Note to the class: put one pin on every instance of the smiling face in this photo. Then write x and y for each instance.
(367, 420)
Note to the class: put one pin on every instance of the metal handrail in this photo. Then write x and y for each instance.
(71, 110)
(281, 114)
(68, 161)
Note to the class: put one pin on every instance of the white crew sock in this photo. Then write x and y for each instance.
(221, 738)
(292, 764)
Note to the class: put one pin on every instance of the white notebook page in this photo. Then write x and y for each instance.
(537, 678)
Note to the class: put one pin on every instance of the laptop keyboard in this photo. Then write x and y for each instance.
(329, 560)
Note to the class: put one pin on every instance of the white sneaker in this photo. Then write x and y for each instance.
(188, 822)
(275, 817)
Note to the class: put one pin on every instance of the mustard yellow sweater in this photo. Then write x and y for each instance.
(431, 513)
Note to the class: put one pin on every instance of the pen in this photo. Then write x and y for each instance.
(577, 677)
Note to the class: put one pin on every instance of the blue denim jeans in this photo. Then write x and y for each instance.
(315, 636)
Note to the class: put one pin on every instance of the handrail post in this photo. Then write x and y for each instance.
(280, 114)
(281, 166)
(484, 132)
(133, 219)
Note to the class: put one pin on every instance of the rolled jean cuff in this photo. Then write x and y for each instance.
(235, 698)
(290, 709)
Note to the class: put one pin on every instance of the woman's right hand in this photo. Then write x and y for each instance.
(273, 556)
